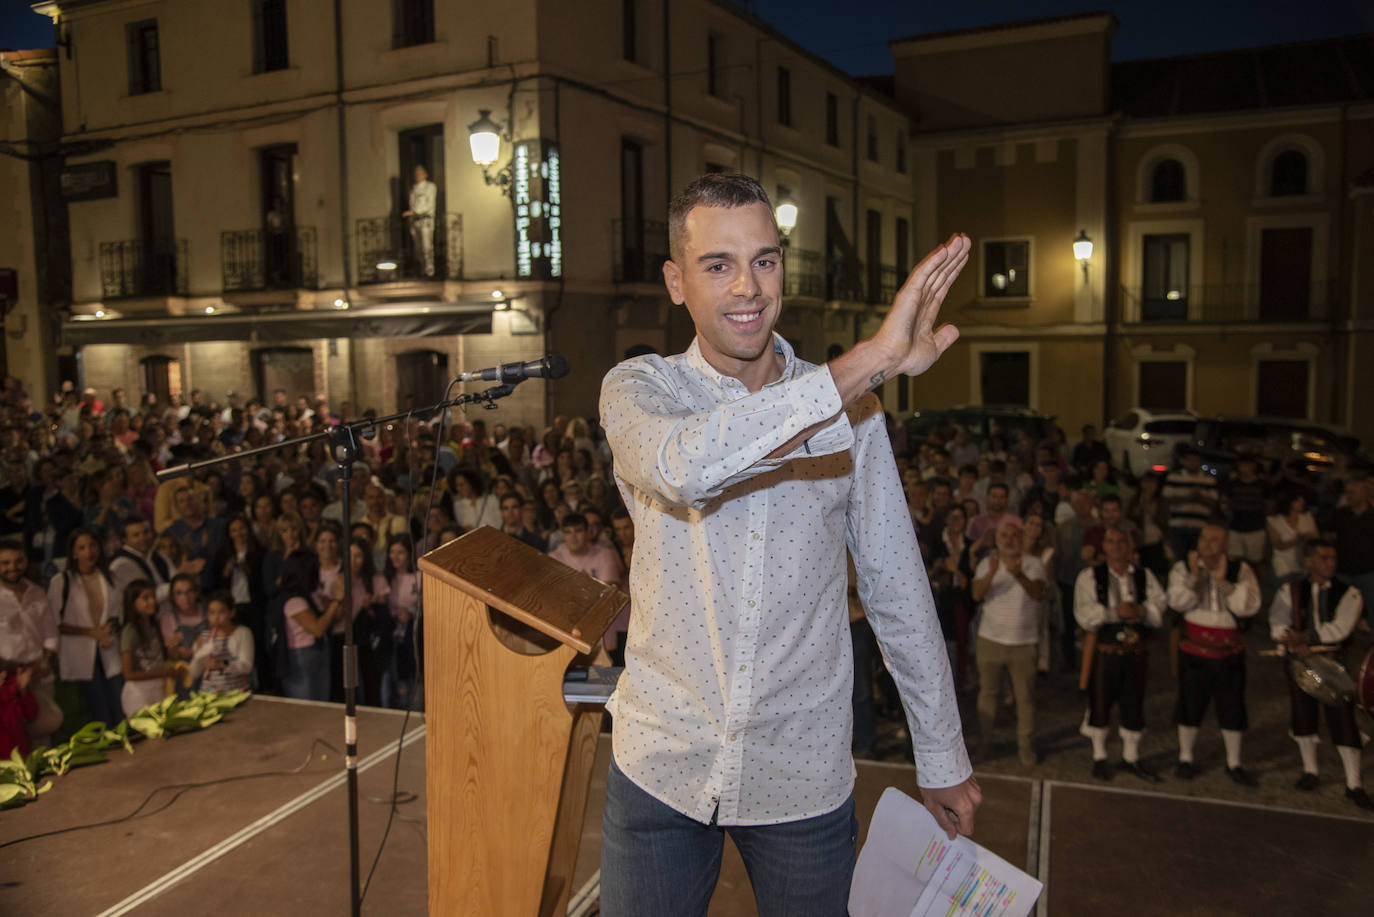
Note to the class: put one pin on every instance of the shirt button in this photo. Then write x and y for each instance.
(751, 603)
(734, 736)
(743, 668)
(757, 536)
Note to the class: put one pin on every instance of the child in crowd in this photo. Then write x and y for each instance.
(18, 707)
(141, 651)
(184, 624)
(224, 661)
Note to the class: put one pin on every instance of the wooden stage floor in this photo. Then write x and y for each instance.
(274, 841)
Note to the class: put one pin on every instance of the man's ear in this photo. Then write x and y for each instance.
(672, 279)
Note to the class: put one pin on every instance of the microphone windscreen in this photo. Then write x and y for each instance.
(558, 366)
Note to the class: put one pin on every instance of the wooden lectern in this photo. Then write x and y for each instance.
(508, 763)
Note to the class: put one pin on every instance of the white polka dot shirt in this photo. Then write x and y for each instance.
(736, 698)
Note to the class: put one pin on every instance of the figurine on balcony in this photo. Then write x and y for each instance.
(278, 248)
(423, 195)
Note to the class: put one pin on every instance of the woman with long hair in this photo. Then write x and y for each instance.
(1037, 540)
(288, 536)
(264, 517)
(85, 610)
(1287, 529)
(1150, 513)
(238, 571)
(473, 506)
(371, 620)
(403, 604)
(306, 628)
(329, 560)
(951, 571)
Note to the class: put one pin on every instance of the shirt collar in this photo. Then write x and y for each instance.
(729, 383)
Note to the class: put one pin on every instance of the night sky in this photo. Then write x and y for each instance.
(857, 41)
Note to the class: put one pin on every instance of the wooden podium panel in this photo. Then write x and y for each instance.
(508, 762)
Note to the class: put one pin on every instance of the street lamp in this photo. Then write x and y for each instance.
(484, 140)
(1083, 251)
(786, 215)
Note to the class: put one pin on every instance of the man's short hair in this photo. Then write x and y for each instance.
(998, 485)
(718, 189)
(1109, 498)
(512, 495)
(572, 520)
(132, 520)
(11, 544)
(1310, 546)
(968, 469)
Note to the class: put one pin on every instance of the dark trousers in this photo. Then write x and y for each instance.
(100, 693)
(1340, 718)
(250, 615)
(1201, 679)
(1069, 624)
(1118, 678)
(865, 655)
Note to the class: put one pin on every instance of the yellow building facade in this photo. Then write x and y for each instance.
(251, 190)
(1227, 198)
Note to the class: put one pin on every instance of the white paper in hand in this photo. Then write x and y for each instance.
(909, 868)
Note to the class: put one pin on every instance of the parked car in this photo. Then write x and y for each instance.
(1297, 445)
(1143, 440)
(981, 421)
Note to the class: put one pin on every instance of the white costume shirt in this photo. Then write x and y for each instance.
(1092, 614)
(1346, 613)
(1200, 599)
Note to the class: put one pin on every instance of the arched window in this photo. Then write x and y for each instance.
(1168, 182)
(1288, 175)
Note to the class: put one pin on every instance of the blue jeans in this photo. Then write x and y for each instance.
(308, 678)
(657, 861)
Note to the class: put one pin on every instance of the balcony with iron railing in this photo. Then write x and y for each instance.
(263, 259)
(391, 240)
(803, 274)
(639, 248)
(1228, 303)
(133, 267)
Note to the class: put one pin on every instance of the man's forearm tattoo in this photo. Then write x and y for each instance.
(877, 379)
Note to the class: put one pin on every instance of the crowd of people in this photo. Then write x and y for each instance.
(1041, 557)
(118, 587)
(1045, 556)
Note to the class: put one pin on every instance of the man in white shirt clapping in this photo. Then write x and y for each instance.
(1011, 586)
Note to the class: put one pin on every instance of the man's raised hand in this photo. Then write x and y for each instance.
(908, 341)
(908, 334)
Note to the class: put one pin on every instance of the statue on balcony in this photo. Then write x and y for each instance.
(278, 248)
(423, 196)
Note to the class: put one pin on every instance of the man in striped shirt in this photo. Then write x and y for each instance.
(1192, 497)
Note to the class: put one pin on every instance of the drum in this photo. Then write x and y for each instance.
(1364, 683)
(1322, 678)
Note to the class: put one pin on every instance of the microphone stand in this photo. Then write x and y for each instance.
(343, 446)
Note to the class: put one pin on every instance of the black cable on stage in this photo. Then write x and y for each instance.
(395, 799)
(180, 789)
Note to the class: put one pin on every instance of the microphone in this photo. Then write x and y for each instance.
(550, 367)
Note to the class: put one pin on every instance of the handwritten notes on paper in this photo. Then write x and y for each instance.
(909, 868)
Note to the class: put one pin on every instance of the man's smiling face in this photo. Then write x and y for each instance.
(730, 279)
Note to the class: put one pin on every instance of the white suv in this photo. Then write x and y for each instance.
(1144, 440)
